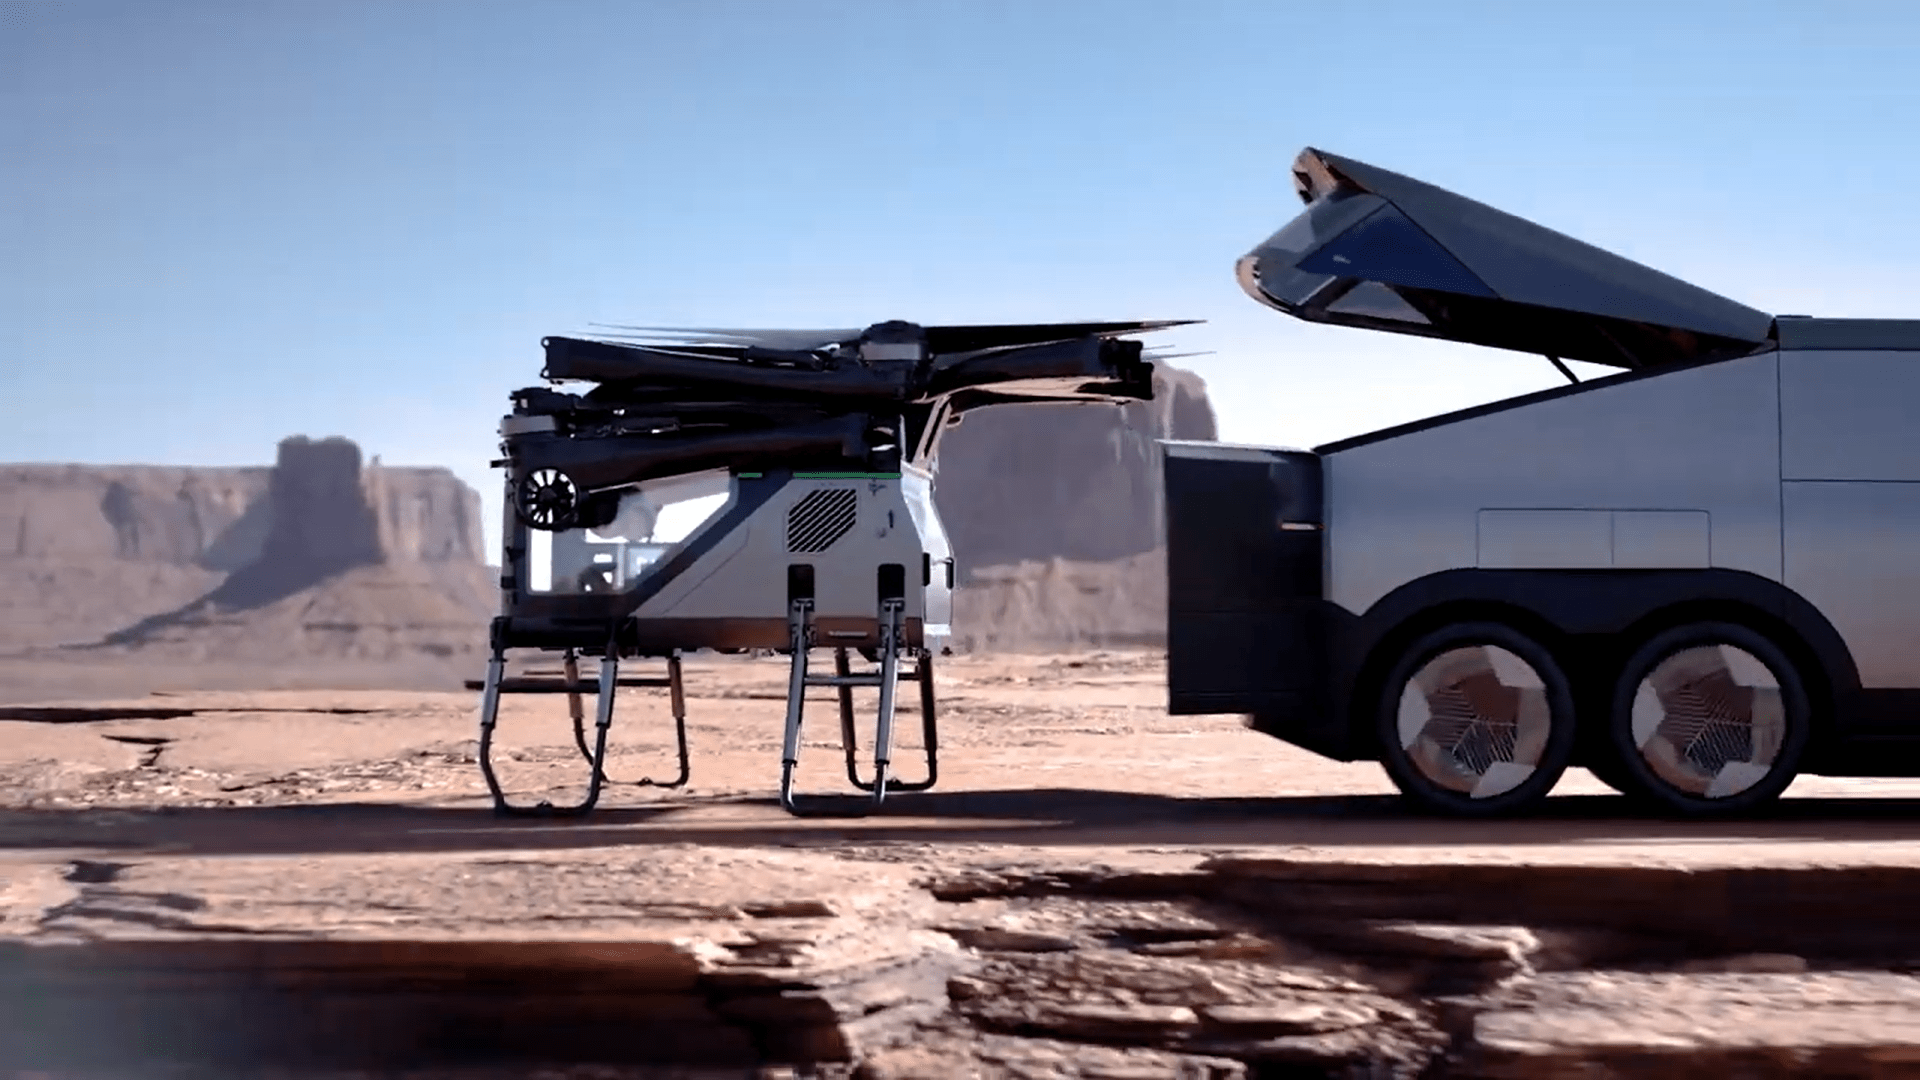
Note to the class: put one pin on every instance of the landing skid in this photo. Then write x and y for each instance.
(929, 726)
(885, 678)
(678, 698)
(570, 684)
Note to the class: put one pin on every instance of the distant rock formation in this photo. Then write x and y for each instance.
(141, 513)
(1032, 483)
(138, 555)
(319, 524)
(1055, 513)
(220, 519)
(425, 516)
(1060, 603)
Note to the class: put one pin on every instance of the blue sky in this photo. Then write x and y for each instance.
(225, 223)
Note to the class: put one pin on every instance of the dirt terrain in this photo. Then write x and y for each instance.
(312, 883)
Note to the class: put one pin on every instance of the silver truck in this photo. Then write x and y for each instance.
(1698, 577)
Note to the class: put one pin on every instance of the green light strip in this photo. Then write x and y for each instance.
(846, 476)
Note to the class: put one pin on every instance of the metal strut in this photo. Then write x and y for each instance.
(886, 679)
(929, 726)
(489, 714)
(496, 683)
(676, 694)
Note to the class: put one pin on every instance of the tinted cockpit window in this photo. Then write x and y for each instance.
(1273, 265)
(1322, 220)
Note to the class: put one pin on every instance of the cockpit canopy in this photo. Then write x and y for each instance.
(1379, 250)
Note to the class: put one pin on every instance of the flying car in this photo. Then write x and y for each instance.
(671, 491)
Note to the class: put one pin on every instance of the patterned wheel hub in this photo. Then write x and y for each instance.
(1709, 721)
(1475, 720)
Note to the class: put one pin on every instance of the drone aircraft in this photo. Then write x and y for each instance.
(740, 490)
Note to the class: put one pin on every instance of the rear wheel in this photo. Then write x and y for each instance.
(1476, 719)
(1709, 718)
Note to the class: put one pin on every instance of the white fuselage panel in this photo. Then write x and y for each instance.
(892, 520)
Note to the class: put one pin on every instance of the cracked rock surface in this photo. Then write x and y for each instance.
(306, 885)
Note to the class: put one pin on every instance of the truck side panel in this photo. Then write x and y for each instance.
(1702, 441)
(1850, 457)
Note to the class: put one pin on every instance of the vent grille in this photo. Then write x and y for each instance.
(820, 518)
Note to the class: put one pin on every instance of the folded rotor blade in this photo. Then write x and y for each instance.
(797, 340)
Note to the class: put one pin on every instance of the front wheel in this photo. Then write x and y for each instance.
(1709, 718)
(1476, 719)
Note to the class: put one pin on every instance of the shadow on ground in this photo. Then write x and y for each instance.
(1047, 816)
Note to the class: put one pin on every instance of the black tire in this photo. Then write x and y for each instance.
(1721, 742)
(1490, 736)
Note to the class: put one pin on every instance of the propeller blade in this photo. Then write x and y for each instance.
(952, 339)
(957, 338)
(797, 340)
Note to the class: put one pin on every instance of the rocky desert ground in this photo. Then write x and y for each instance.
(313, 883)
(243, 833)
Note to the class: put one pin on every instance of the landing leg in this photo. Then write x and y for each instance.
(603, 720)
(570, 671)
(849, 740)
(929, 725)
(929, 731)
(800, 633)
(489, 714)
(799, 619)
(890, 613)
(678, 697)
(844, 680)
(609, 685)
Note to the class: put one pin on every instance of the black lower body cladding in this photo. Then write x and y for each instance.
(1594, 618)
